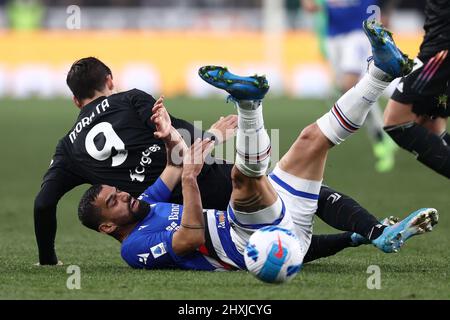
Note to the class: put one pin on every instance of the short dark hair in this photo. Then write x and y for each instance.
(90, 215)
(86, 76)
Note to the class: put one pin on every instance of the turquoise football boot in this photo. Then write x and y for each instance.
(240, 88)
(386, 55)
(418, 222)
(358, 239)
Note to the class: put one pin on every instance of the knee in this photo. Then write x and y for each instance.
(436, 125)
(42, 204)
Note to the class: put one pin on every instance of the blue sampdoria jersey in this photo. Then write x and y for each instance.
(149, 245)
(347, 15)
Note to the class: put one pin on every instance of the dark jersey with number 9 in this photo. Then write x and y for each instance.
(112, 143)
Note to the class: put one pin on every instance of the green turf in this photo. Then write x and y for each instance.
(30, 129)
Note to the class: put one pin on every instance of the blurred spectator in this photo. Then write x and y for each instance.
(158, 3)
(292, 12)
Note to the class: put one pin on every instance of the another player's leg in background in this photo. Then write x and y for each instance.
(416, 115)
(306, 158)
(428, 140)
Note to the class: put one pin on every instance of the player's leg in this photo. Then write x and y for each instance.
(437, 125)
(382, 145)
(444, 134)
(254, 203)
(304, 162)
(423, 93)
(251, 189)
(430, 149)
(344, 213)
(306, 158)
(325, 245)
(353, 65)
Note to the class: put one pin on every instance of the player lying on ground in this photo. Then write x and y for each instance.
(112, 142)
(156, 234)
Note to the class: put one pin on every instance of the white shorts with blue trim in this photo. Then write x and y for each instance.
(294, 210)
(300, 197)
(243, 225)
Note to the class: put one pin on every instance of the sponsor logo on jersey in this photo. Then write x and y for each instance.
(158, 250)
(221, 220)
(173, 226)
(142, 227)
(143, 257)
(139, 172)
(174, 212)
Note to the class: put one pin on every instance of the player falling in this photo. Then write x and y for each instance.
(157, 234)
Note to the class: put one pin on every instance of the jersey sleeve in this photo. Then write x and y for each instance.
(150, 250)
(157, 192)
(57, 181)
(61, 170)
(142, 103)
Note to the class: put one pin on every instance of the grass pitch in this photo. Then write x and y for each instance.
(30, 129)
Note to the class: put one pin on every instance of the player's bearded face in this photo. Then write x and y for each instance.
(142, 211)
(136, 210)
(120, 207)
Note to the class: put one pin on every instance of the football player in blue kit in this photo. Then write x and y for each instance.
(158, 234)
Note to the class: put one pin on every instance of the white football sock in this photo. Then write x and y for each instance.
(350, 111)
(252, 141)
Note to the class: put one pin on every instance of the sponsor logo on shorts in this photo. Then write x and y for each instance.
(158, 250)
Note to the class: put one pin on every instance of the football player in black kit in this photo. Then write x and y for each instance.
(416, 115)
(112, 142)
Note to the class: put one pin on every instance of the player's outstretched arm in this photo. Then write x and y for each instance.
(191, 234)
(57, 182)
(175, 145)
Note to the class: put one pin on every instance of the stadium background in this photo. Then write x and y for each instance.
(158, 46)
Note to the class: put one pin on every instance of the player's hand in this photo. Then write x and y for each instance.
(195, 157)
(161, 119)
(225, 128)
